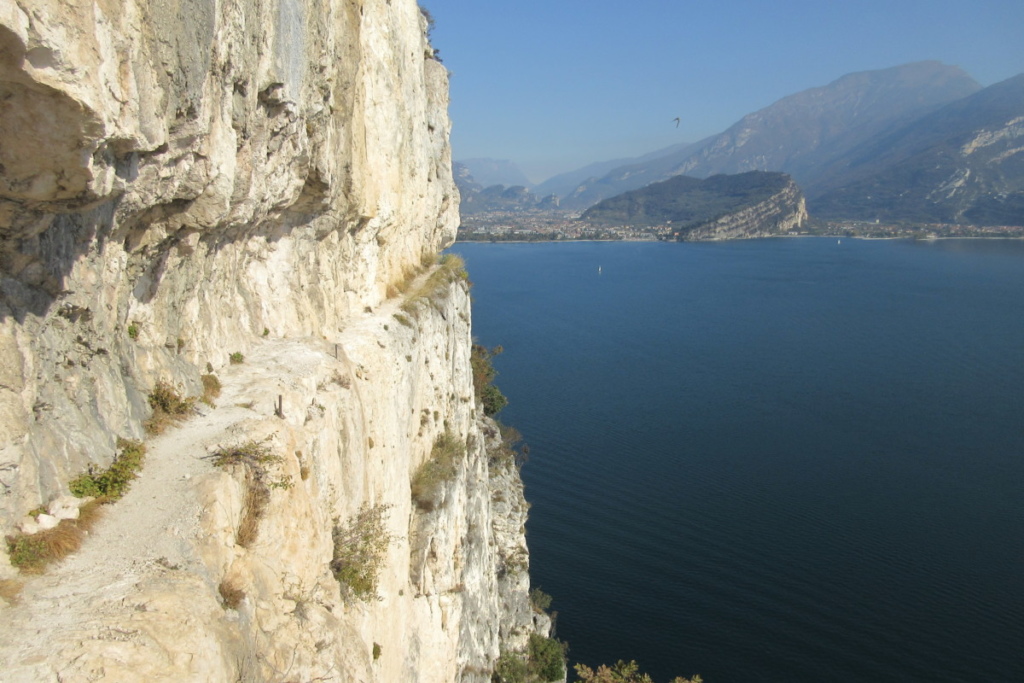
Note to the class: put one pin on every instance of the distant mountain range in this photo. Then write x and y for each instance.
(961, 164)
(488, 172)
(919, 142)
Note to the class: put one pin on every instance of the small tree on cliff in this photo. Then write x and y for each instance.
(490, 396)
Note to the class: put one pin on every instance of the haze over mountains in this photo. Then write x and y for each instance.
(918, 142)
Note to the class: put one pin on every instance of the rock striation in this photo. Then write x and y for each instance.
(183, 182)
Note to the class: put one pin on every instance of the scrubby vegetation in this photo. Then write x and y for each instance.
(539, 600)
(360, 547)
(622, 672)
(256, 458)
(488, 395)
(442, 466)
(31, 553)
(433, 291)
(169, 408)
(544, 660)
(211, 388)
(236, 358)
(113, 482)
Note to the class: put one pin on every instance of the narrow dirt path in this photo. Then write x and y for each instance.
(152, 533)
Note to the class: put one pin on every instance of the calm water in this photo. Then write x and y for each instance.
(774, 460)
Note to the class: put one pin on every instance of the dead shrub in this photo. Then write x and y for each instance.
(211, 389)
(256, 458)
(230, 594)
(169, 408)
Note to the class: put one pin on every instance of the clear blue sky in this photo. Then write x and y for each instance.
(555, 84)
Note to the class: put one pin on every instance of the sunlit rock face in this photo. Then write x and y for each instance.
(181, 181)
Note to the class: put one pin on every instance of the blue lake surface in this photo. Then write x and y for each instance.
(773, 460)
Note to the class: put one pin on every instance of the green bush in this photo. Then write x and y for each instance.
(489, 396)
(113, 482)
(236, 358)
(547, 658)
(511, 667)
(360, 547)
(540, 600)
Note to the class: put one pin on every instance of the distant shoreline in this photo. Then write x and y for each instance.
(743, 239)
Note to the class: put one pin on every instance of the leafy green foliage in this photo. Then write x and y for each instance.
(489, 396)
(540, 600)
(547, 658)
(236, 358)
(511, 667)
(360, 547)
(113, 482)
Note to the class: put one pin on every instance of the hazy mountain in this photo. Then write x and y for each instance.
(464, 179)
(489, 172)
(475, 198)
(800, 133)
(962, 163)
(564, 183)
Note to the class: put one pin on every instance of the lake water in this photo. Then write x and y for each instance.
(772, 460)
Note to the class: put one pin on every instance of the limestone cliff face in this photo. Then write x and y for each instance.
(180, 181)
(781, 213)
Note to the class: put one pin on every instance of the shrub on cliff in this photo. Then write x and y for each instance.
(442, 466)
(360, 547)
(489, 396)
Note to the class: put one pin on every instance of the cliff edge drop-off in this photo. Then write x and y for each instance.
(184, 181)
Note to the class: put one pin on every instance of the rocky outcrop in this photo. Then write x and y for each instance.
(183, 182)
(782, 213)
(744, 205)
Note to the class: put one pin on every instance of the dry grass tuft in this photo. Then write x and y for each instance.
(168, 406)
(256, 457)
(31, 553)
(257, 496)
(231, 594)
(211, 389)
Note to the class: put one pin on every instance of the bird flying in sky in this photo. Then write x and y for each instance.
(677, 121)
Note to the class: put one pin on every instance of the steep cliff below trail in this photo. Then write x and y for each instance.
(181, 183)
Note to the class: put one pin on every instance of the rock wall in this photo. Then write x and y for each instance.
(781, 213)
(180, 181)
